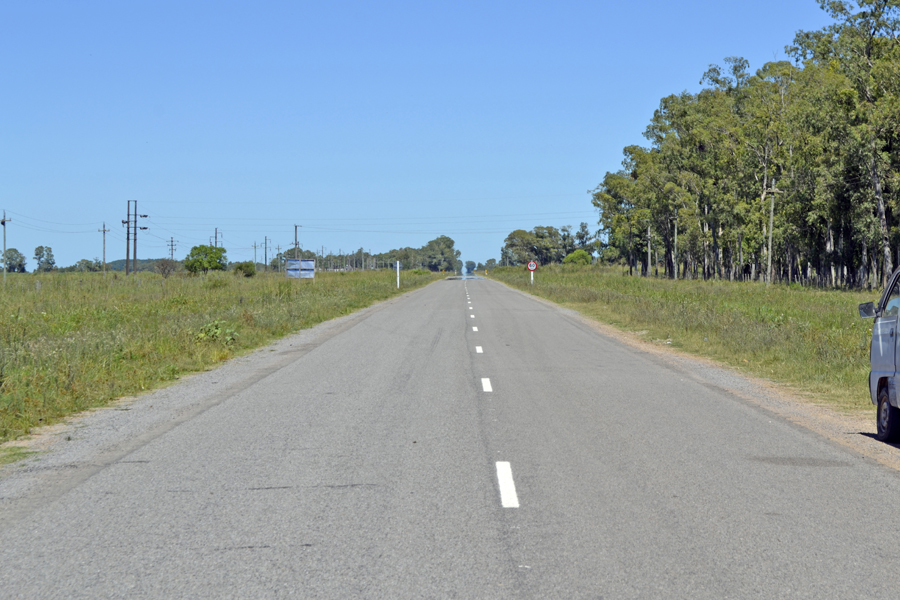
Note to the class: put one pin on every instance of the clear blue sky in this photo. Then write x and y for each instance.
(371, 124)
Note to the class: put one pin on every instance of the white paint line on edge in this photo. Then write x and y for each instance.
(508, 497)
(478, 350)
(474, 329)
(486, 384)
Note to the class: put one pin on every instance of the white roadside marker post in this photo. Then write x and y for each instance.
(398, 274)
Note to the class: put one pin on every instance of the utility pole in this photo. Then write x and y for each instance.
(171, 243)
(127, 224)
(131, 242)
(255, 246)
(266, 252)
(104, 231)
(278, 250)
(134, 255)
(3, 222)
(297, 244)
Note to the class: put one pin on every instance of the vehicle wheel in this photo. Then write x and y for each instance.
(888, 418)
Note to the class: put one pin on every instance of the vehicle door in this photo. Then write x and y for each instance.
(885, 334)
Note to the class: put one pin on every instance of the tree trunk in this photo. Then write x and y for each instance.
(863, 271)
(771, 225)
(730, 263)
(882, 219)
(648, 251)
(829, 251)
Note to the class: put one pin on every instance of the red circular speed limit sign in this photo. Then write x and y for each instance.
(532, 266)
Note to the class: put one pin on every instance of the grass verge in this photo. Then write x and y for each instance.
(11, 454)
(69, 342)
(810, 340)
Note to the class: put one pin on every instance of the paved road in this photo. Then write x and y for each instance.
(374, 463)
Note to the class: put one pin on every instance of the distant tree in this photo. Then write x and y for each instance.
(43, 256)
(578, 257)
(84, 265)
(278, 261)
(583, 238)
(246, 268)
(548, 245)
(519, 247)
(566, 241)
(490, 264)
(165, 267)
(441, 255)
(15, 261)
(470, 266)
(480, 267)
(205, 258)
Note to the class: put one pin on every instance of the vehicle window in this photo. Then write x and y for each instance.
(892, 306)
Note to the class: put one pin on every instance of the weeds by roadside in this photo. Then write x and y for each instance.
(812, 340)
(74, 341)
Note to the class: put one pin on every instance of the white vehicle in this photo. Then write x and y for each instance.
(883, 359)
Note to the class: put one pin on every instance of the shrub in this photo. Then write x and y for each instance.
(246, 268)
(579, 257)
(165, 267)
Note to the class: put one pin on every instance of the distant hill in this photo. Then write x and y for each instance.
(143, 264)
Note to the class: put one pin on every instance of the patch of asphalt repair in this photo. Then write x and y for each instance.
(73, 450)
(856, 433)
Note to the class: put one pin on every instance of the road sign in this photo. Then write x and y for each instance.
(532, 265)
(292, 268)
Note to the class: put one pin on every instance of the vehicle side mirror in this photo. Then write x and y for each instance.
(867, 310)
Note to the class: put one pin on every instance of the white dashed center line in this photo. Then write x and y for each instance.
(471, 308)
(474, 329)
(473, 316)
(486, 384)
(508, 497)
(478, 350)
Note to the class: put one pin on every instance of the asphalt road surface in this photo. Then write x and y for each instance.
(461, 441)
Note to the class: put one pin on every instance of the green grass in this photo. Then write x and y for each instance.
(11, 454)
(81, 340)
(810, 340)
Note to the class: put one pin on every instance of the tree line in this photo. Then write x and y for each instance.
(546, 244)
(439, 254)
(786, 174)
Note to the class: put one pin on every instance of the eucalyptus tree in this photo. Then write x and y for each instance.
(863, 46)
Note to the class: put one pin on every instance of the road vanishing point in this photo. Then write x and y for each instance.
(463, 440)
